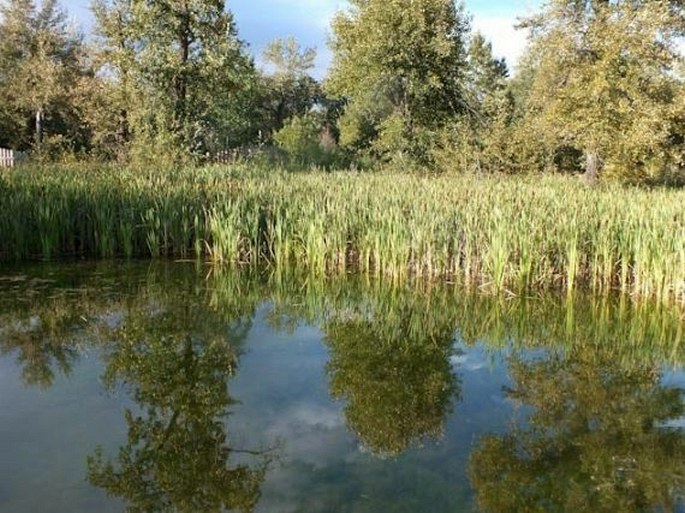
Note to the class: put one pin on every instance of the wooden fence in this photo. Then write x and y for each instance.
(10, 158)
(265, 151)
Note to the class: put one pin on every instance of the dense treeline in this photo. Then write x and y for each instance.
(601, 88)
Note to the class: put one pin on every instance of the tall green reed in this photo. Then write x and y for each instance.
(496, 233)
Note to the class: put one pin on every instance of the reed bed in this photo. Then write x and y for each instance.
(502, 234)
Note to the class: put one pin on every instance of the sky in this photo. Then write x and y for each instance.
(261, 21)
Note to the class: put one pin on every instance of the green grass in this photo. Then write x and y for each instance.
(500, 234)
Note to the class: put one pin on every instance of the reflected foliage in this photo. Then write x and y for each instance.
(171, 335)
(394, 373)
(633, 332)
(599, 438)
(40, 349)
(37, 320)
(175, 357)
(43, 328)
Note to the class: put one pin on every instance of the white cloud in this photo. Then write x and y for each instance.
(507, 41)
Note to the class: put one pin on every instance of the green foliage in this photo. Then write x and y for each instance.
(287, 58)
(495, 137)
(400, 66)
(182, 78)
(40, 66)
(601, 87)
(301, 140)
(289, 89)
(606, 83)
(392, 143)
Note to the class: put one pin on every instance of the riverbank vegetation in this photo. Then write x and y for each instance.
(414, 98)
(600, 89)
(504, 234)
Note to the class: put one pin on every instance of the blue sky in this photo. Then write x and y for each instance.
(260, 21)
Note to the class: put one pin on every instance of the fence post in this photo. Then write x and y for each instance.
(6, 158)
(10, 158)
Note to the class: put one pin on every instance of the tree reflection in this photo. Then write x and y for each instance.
(45, 338)
(175, 358)
(394, 372)
(597, 439)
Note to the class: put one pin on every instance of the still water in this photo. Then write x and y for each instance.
(175, 387)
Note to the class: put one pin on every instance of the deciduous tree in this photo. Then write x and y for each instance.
(183, 75)
(482, 140)
(40, 63)
(290, 88)
(606, 81)
(400, 64)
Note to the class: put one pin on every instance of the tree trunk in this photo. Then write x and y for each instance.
(184, 42)
(39, 127)
(591, 166)
(123, 132)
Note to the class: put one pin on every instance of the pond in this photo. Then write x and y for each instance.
(180, 387)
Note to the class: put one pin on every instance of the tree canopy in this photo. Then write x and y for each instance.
(40, 64)
(400, 65)
(606, 81)
(600, 88)
(180, 70)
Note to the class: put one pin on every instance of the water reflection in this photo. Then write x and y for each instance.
(45, 337)
(394, 376)
(597, 438)
(175, 358)
(596, 420)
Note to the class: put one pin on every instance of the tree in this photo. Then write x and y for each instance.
(40, 64)
(605, 81)
(290, 89)
(182, 74)
(115, 54)
(400, 64)
(15, 21)
(486, 74)
(480, 141)
(288, 59)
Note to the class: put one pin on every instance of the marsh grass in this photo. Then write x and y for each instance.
(510, 235)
